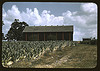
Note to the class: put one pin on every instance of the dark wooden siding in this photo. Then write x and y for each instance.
(43, 36)
(59, 36)
(66, 36)
(29, 36)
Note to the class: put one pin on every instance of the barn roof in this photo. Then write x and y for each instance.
(48, 29)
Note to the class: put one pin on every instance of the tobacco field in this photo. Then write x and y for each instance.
(47, 54)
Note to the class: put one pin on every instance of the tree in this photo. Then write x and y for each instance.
(16, 30)
(3, 33)
(2, 23)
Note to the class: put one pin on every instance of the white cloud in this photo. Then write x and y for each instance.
(30, 17)
(84, 21)
(89, 7)
(13, 13)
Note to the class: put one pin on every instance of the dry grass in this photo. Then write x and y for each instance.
(81, 56)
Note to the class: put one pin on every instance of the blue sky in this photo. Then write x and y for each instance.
(83, 16)
(55, 8)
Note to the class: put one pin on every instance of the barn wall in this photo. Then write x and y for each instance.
(48, 36)
(66, 36)
(72, 36)
(41, 36)
(59, 36)
(29, 36)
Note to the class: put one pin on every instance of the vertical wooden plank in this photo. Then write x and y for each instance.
(32, 36)
(38, 35)
(26, 36)
(44, 36)
(62, 36)
(50, 36)
(72, 36)
(56, 35)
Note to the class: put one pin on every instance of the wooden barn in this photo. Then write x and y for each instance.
(43, 33)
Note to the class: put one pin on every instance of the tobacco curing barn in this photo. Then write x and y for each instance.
(43, 33)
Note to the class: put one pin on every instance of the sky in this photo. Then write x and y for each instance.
(83, 16)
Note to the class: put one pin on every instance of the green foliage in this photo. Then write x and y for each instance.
(3, 33)
(13, 50)
(81, 56)
(3, 36)
(15, 32)
(2, 23)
